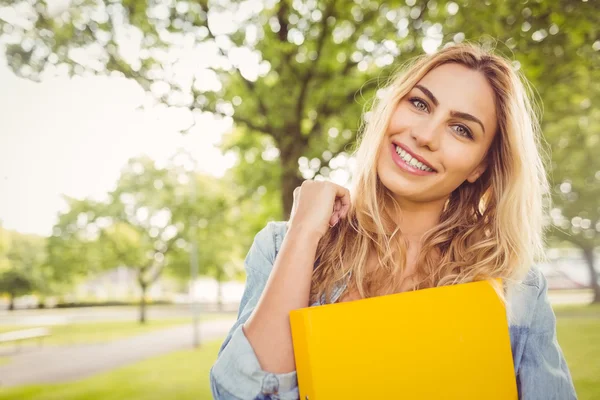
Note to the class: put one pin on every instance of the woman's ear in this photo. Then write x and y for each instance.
(477, 172)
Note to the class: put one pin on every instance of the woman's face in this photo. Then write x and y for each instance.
(448, 121)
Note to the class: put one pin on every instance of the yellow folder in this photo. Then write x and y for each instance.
(448, 343)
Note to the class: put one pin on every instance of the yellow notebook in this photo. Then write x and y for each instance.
(448, 343)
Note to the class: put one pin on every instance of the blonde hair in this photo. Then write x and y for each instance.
(492, 228)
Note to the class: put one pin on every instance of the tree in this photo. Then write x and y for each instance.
(227, 216)
(576, 216)
(133, 227)
(144, 223)
(313, 58)
(22, 264)
(15, 283)
(5, 242)
(294, 76)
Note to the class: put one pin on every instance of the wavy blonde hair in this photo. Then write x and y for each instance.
(492, 228)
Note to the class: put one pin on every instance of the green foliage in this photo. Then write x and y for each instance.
(322, 60)
(5, 242)
(133, 227)
(320, 64)
(23, 267)
(15, 283)
(148, 223)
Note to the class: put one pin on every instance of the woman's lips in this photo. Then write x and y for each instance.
(417, 157)
(406, 167)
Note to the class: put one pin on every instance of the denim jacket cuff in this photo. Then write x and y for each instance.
(238, 371)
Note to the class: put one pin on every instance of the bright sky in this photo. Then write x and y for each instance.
(73, 136)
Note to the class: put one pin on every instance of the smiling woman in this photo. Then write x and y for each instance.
(449, 188)
(433, 136)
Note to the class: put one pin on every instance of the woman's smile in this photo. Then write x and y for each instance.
(408, 163)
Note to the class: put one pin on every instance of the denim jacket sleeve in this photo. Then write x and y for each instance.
(237, 375)
(543, 373)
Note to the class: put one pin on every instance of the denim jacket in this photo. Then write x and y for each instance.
(540, 368)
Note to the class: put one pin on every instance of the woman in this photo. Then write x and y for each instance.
(449, 187)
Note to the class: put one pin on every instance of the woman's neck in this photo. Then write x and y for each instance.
(418, 218)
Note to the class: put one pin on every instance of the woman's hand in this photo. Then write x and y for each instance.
(318, 206)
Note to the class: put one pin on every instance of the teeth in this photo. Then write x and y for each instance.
(410, 160)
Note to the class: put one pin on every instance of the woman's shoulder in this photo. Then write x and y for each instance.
(534, 277)
(271, 236)
(265, 247)
(524, 297)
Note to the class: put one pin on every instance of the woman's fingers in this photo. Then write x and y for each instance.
(343, 197)
(335, 215)
(317, 205)
(341, 205)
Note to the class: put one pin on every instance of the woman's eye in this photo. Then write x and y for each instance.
(463, 131)
(419, 104)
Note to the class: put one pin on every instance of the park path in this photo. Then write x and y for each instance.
(52, 364)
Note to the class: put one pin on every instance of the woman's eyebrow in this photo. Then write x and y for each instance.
(457, 114)
(428, 94)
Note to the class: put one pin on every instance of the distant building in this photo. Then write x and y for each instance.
(120, 284)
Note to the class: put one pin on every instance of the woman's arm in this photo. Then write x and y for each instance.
(543, 373)
(259, 361)
(288, 288)
(256, 359)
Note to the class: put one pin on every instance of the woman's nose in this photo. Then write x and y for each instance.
(428, 134)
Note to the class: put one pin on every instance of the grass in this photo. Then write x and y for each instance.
(578, 331)
(181, 375)
(99, 332)
(572, 311)
(184, 375)
(4, 360)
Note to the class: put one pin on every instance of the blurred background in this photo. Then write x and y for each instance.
(143, 143)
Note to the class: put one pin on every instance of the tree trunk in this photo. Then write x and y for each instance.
(143, 304)
(11, 301)
(588, 253)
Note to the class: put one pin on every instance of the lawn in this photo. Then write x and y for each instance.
(573, 311)
(181, 375)
(184, 375)
(578, 331)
